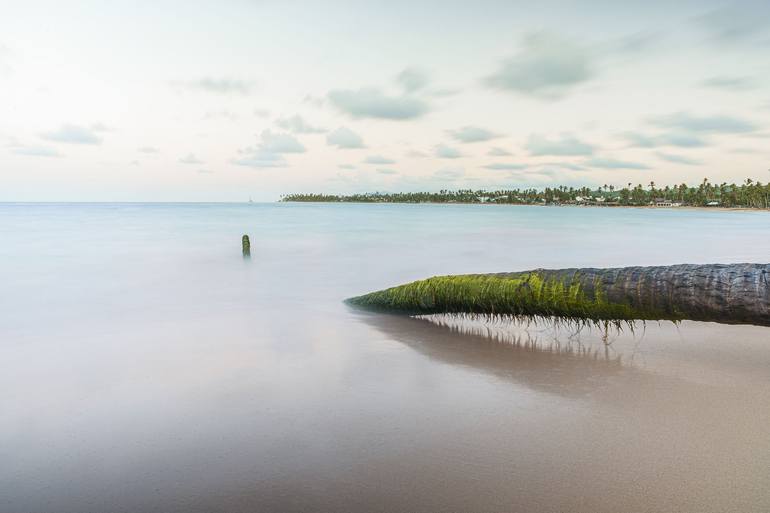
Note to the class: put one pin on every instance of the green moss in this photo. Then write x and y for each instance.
(529, 295)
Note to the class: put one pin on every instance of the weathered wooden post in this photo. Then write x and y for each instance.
(246, 246)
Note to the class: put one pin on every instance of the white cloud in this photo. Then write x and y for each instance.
(225, 86)
(608, 163)
(222, 114)
(73, 134)
(378, 159)
(36, 151)
(279, 143)
(449, 173)
(471, 134)
(344, 138)
(387, 171)
(412, 79)
(269, 152)
(683, 140)
(678, 159)
(258, 159)
(566, 145)
(718, 124)
(371, 103)
(735, 23)
(729, 83)
(447, 152)
(190, 159)
(298, 125)
(314, 101)
(502, 166)
(547, 67)
(416, 154)
(499, 152)
(4, 68)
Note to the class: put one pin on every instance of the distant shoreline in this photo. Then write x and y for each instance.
(750, 195)
(490, 204)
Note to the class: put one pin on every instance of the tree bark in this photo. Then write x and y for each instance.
(725, 293)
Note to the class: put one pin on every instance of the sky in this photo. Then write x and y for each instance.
(193, 100)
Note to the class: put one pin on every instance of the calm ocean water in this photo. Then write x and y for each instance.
(145, 366)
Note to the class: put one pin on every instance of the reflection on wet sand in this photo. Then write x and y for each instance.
(673, 418)
(538, 358)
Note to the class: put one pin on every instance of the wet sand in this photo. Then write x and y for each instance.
(423, 417)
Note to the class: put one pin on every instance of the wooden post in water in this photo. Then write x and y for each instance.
(246, 246)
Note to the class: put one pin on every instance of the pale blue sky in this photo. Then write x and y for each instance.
(172, 100)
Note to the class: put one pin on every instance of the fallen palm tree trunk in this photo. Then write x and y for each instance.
(725, 293)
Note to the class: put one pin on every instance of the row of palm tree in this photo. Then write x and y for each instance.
(749, 194)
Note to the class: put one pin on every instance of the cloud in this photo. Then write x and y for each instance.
(412, 80)
(736, 22)
(262, 113)
(258, 159)
(443, 92)
(346, 166)
(371, 103)
(314, 101)
(416, 154)
(745, 151)
(344, 138)
(547, 67)
(614, 164)
(298, 125)
(100, 127)
(678, 159)
(387, 171)
(681, 140)
(5, 54)
(471, 134)
(447, 152)
(704, 124)
(633, 44)
(449, 173)
(729, 83)
(222, 114)
(73, 134)
(378, 159)
(279, 143)
(36, 151)
(499, 152)
(190, 159)
(223, 86)
(148, 149)
(567, 145)
(500, 166)
(269, 152)
(563, 165)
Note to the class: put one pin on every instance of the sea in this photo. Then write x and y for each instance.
(147, 366)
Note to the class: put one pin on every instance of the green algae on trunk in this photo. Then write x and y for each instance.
(726, 293)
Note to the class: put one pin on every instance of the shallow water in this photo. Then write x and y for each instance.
(145, 366)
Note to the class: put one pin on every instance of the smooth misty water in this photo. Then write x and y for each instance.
(145, 366)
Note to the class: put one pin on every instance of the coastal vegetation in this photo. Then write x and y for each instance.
(749, 194)
(731, 294)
